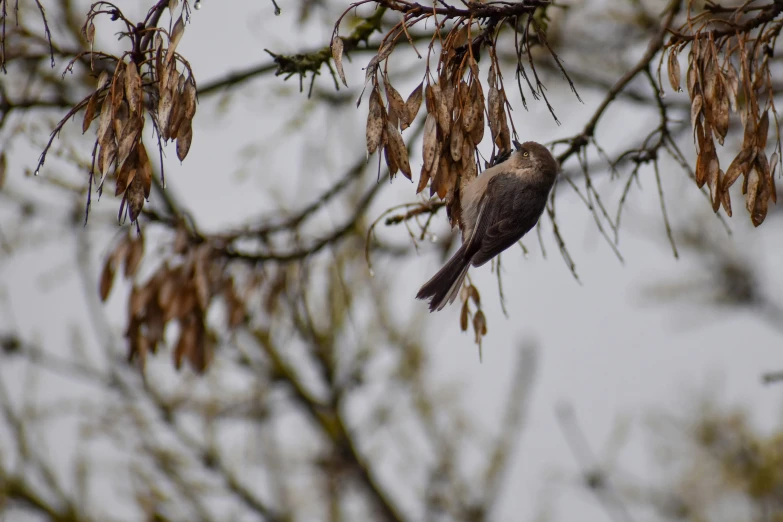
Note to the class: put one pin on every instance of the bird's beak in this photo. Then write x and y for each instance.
(517, 145)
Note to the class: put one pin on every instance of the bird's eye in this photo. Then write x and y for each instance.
(526, 154)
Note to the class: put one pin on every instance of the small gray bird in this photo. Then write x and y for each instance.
(498, 208)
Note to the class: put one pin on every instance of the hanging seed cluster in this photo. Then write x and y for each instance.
(180, 292)
(150, 80)
(457, 114)
(716, 89)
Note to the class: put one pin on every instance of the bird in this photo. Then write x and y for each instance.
(499, 206)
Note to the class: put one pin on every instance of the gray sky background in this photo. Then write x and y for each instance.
(603, 347)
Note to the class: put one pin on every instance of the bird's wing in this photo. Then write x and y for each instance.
(506, 213)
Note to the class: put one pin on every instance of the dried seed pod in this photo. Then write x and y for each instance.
(739, 167)
(107, 278)
(389, 157)
(398, 150)
(176, 116)
(375, 122)
(424, 178)
(674, 70)
(165, 104)
(337, 47)
(135, 198)
(726, 202)
(133, 257)
(494, 111)
(763, 131)
(130, 136)
(184, 137)
(430, 141)
(176, 36)
(732, 84)
(467, 153)
(429, 97)
(89, 112)
(144, 169)
(444, 115)
(133, 93)
(189, 98)
(477, 134)
(691, 78)
(714, 184)
(412, 105)
(126, 173)
(118, 87)
(456, 140)
(396, 103)
(463, 317)
(471, 108)
(696, 106)
(106, 156)
(443, 176)
(752, 189)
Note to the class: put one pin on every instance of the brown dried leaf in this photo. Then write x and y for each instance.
(89, 112)
(397, 149)
(430, 141)
(412, 106)
(674, 70)
(176, 36)
(133, 87)
(337, 55)
(184, 137)
(375, 122)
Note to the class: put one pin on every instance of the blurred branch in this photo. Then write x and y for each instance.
(595, 479)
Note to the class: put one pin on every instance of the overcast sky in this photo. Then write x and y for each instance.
(603, 346)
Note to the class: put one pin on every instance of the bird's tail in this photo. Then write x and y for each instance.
(444, 286)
